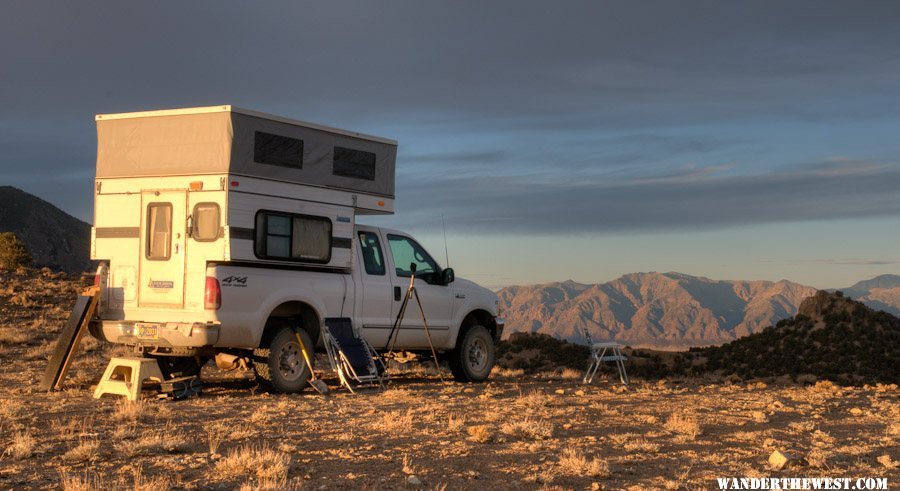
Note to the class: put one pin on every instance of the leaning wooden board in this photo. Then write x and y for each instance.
(69, 339)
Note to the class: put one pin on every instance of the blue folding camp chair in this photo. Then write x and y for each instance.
(354, 359)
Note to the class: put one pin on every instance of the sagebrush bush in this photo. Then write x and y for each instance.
(13, 253)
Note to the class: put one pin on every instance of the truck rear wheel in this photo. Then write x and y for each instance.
(473, 357)
(280, 365)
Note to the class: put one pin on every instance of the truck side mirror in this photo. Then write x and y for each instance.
(447, 276)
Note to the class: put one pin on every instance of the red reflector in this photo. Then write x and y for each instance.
(212, 295)
(235, 184)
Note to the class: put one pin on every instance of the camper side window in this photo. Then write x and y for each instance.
(293, 237)
(277, 150)
(159, 231)
(205, 222)
(353, 163)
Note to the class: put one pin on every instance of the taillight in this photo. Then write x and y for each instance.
(98, 276)
(212, 296)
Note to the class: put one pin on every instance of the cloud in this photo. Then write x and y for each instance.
(696, 199)
(839, 262)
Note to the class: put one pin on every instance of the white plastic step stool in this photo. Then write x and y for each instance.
(125, 376)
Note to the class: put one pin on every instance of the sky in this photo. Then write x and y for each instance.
(558, 140)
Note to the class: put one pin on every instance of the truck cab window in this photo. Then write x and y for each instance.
(405, 251)
(159, 231)
(205, 224)
(371, 253)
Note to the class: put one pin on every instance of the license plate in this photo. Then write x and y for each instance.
(147, 331)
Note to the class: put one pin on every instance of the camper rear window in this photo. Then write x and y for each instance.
(354, 163)
(277, 150)
(205, 222)
(293, 237)
(159, 231)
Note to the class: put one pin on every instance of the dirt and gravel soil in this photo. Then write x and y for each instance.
(514, 432)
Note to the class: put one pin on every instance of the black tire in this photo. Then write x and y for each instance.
(180, 366)
(473, 358)
(280, 365)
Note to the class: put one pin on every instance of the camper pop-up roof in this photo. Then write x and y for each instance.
(238, 142)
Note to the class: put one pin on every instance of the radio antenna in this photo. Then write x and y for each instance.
(446, 254)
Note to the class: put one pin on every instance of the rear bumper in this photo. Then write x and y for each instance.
(167, 334)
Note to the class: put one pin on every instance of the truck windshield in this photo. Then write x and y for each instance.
(406, 251)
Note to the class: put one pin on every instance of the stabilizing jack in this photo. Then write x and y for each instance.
(395, 330)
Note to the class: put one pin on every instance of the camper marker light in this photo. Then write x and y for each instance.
(196, 185)
(235, 184)
(381, 203)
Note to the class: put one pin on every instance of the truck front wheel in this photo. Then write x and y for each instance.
(473, 357)
(280, 365)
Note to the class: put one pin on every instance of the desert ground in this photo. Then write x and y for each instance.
(517, 431)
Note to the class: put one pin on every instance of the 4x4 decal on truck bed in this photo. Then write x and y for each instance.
(239, 281)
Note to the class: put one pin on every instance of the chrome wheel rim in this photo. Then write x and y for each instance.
(477, 355)
(290, 361)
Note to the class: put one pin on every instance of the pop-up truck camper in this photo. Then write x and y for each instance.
(229, 233)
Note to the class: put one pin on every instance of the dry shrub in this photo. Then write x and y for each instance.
(571, 374)
(534, 399)
(480, 433)
(641, 445)
(83, 482)
(83, 452)
(528, 428)
(893, 429)
(214, 435)
(155, 442)
(455, 422)
(501, 372)
(684, 424)
(22, 446)
(13, 336)
(396, 421)
(295, 484)
(128, 411)
(142, 483)
(267, 464)
(573, 462)
(408, 468)
(91, 482)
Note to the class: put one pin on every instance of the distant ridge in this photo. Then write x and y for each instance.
(55, 239)
(670, 310)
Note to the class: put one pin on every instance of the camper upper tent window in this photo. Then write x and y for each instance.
(354, 163)
(277, 150)
(159, 231)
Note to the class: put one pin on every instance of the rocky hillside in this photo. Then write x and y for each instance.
(651, 309)
(831, 337)
(54, 238)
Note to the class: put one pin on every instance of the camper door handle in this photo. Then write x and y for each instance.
(397, 293)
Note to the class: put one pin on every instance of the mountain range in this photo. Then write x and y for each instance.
(669, 310)
(55, 239)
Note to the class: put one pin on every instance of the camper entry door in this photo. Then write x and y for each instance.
(163, 227)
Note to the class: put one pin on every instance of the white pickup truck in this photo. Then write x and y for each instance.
(255, 311)
(222, 232)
